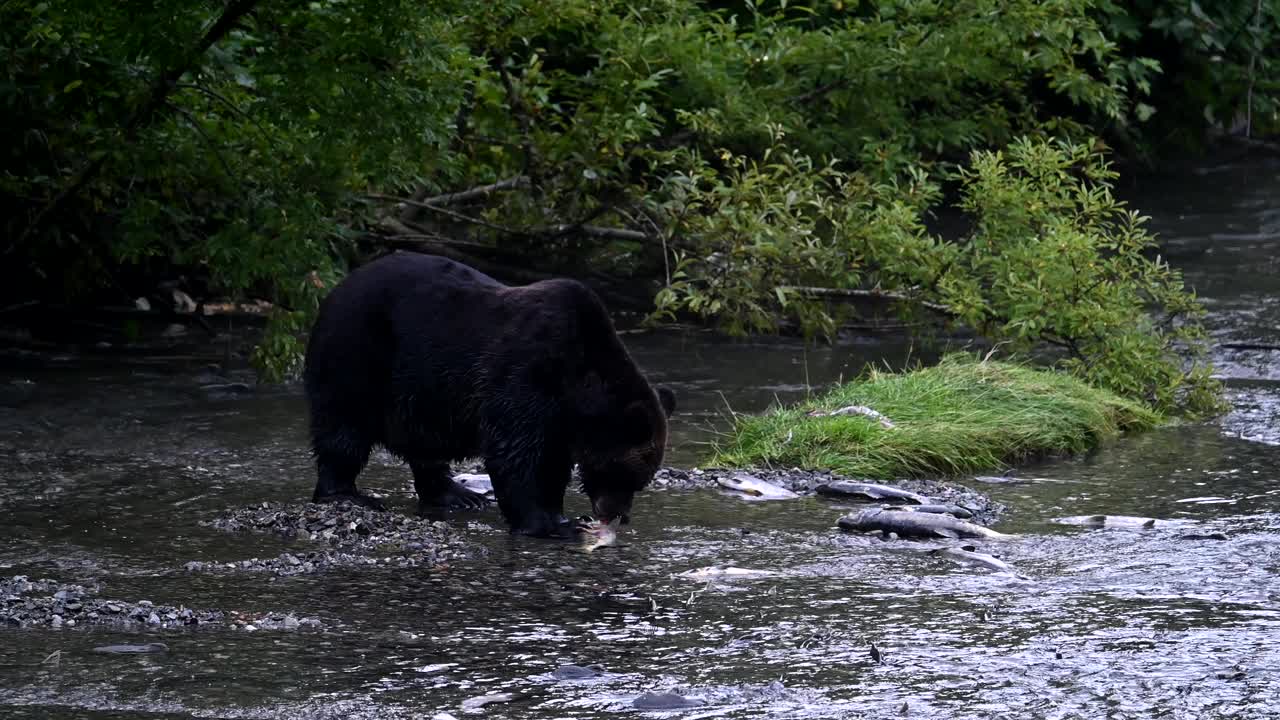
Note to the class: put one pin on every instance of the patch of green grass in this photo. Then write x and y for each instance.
(960, 416)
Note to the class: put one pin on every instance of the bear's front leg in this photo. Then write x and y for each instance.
(531, 495)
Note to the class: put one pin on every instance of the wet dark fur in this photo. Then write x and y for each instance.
(438, 362)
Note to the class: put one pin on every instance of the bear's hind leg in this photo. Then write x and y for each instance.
(436, 488)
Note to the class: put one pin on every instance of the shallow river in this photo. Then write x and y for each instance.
(110, 467)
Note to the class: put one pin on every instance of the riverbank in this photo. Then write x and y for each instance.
(960, 416)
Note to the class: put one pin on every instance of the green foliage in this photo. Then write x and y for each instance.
(1054, 257)
(960, 416)
(250, 169)
(1219, 67)
(763, 158)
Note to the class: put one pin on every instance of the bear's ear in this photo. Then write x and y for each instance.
(668, 400)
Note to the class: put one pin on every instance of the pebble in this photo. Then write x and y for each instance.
(348, 534)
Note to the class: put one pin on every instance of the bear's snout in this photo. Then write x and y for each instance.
(606, 507)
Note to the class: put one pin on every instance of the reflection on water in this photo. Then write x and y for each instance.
(109, 469)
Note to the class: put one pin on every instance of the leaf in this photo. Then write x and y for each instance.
(72, 85)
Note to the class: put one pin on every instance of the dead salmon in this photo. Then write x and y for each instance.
(869, 491)
(941, 508)
(754, 487)
(596, 534)
(968, 554)
(914, 525)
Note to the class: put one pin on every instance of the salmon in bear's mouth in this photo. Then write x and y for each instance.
(597, 534)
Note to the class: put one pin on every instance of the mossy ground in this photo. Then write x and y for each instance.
(960, 416)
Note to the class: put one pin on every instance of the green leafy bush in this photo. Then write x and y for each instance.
(769, 161)
(1051, 257)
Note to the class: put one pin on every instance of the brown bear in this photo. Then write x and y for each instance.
(438, 362)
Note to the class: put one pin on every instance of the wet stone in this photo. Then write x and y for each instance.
(664, 701)
(28, 603)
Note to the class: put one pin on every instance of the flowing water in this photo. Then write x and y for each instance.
(110, 466)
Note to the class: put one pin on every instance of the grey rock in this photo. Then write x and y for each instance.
(664, 701)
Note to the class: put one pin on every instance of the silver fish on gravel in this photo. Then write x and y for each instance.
(1113, 521)
(914, 524)
(716, 571)
(969, 554)
(938, 508)
(754, 488)
(869, 491)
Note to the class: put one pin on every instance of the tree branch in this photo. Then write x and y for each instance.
(461, 120)
(520, 181)
(225, 101)
(516, 103)
(600, 232)
(446, 212)
(213, 146)
(889, 295)
(555, 230)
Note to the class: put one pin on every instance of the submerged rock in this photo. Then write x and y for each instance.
(132, 649)
(664, 701)
(577, 672)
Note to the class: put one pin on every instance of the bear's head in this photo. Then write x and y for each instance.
(623, 453)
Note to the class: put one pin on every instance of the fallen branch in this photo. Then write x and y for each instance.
(874, 294)
(520, 181)
(601, 232)
(447, 212)
(555, 230)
